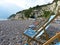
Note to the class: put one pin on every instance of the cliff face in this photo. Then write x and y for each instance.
(37, 11)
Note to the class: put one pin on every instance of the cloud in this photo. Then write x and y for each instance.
(25, 3)
(19, 3)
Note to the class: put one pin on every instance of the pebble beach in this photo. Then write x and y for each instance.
(11, 31)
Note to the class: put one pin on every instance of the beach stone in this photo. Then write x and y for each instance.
(11, 32)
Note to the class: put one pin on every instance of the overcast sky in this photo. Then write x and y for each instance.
(8, 7)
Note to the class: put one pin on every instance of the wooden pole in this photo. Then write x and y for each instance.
(47, 36)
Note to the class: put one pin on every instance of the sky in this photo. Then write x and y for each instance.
(8, 7)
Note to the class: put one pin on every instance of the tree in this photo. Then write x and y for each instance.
(28, 12)
(46, 14)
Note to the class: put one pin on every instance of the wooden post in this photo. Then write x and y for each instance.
(47, 36)
(58, 36)
(59, 39)
(29, 41)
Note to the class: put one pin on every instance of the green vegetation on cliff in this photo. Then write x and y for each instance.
(28, 12)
